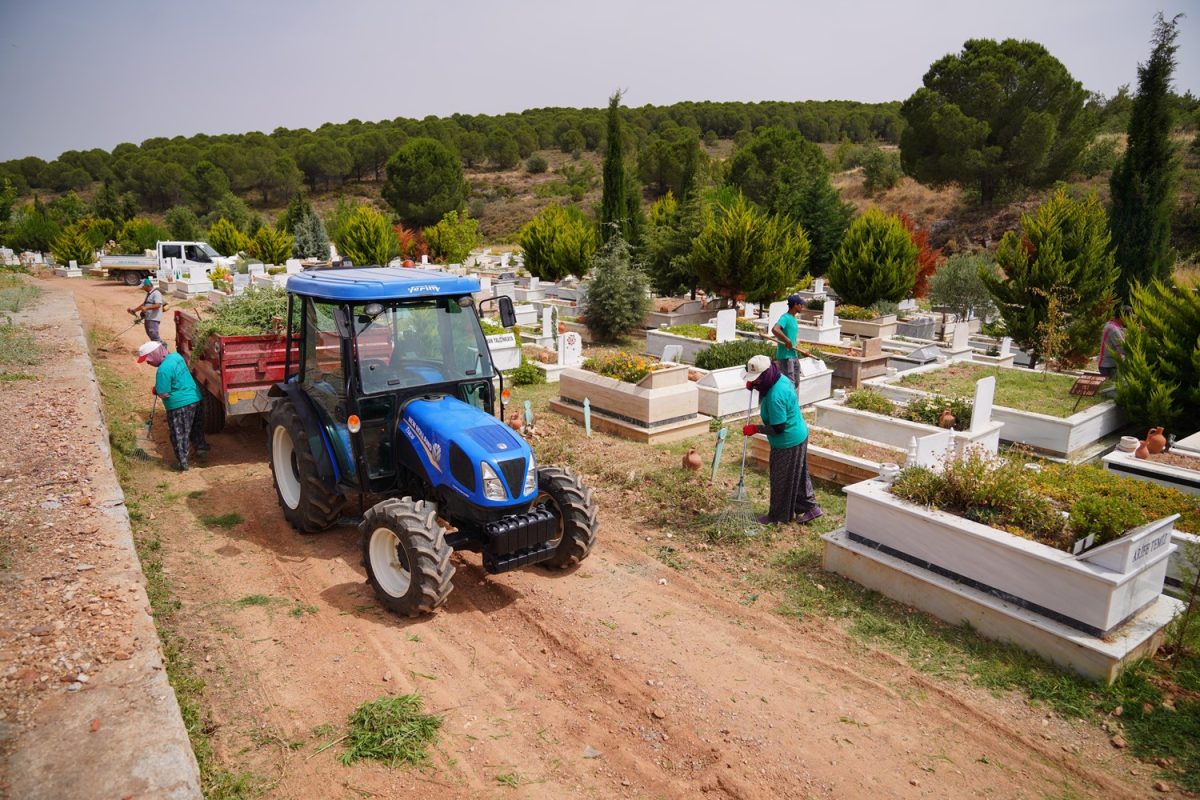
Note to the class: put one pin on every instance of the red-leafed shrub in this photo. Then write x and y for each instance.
(928, 259)
(412, 243)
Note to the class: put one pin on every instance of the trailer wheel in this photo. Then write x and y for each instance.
(308, 504)
(406, 555)
(214, 413)
(561, 489)
(131, 277)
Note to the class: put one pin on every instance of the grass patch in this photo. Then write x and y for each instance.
(1039, 392)
(225, 521)
(12, 377)
(255, 600)
(393, 730)
(18, 348)
(16, 292)
(300, 609)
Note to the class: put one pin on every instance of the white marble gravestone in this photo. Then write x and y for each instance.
(672, 354)
(570, 349)
(774, 312)
(727, 325)
(981, 411)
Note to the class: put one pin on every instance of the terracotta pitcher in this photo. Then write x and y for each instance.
(1142, 451)
(1155, 440)
(691, 460)
(947, 418)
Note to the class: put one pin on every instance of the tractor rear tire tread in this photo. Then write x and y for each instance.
(430, 572)
(319, 506)
(214, 413)
(579, 515)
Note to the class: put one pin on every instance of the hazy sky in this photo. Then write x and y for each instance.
(77, 75)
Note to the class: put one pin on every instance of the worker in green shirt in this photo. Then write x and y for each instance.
(175, 386)
(785, 331)
(792, 494)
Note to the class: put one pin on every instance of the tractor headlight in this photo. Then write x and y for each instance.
(493, 487)
(530, 477)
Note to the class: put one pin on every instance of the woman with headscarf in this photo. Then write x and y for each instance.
(791, 487)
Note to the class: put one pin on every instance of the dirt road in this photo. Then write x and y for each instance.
(674, 689)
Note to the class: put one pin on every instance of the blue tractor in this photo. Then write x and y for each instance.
(392, 397)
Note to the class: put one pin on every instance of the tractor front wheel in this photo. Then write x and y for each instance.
(406, 555)
(308, 504)
(562, 490)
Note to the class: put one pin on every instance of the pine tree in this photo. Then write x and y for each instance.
(311, 239)
(1143, 181)
(742, 250)
(73, 245)
(226, 239)
(298, 209)
(1158, 377)
(271, 245)
(615, 202)
(877, 260)
(616, 296)
(558, 242)
(1062, 251)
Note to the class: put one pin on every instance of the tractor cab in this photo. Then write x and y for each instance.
(395, 395)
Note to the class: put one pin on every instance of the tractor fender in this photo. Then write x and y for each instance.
(318, 439)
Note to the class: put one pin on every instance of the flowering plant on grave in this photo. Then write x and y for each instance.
(625, 367)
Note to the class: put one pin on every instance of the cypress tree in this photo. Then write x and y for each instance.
(614, 203)
(1143, 181)
(1063, 252)
(1158, 378)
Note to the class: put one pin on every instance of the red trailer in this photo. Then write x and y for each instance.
(235, 372)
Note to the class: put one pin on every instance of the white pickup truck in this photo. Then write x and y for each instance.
(174, 257)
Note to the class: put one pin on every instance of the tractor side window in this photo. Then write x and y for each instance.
(323, 376)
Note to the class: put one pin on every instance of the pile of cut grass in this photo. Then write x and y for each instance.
(393, 730)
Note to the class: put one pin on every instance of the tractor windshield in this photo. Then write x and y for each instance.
(407, 344)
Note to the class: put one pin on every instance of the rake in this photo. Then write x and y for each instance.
(738, 518)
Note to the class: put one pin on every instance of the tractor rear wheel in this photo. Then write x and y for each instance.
(131, 277)
(308, 504)
(214, 413)
(561, 489)
(406, 555)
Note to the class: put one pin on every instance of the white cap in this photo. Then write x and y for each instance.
(146, 349)
(756, 366)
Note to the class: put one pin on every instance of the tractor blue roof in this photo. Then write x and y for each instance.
(379, 283)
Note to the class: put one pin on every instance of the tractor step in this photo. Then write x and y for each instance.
(520, 540)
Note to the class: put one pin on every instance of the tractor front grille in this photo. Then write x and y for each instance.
(513, 470)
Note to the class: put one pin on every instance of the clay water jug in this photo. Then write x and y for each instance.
(947, 418)
(1155, 440)
(515, 421)
(691, 460)
(1142, 451)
